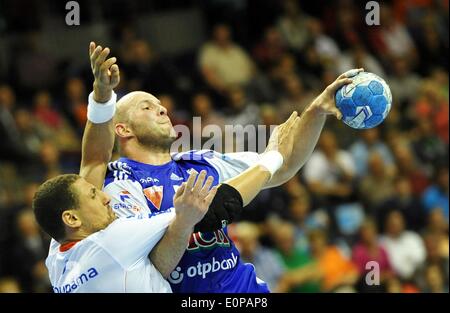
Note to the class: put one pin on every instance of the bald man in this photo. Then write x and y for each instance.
(143, 182)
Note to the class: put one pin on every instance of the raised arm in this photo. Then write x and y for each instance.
(310, 126)
(229, 198)
(98, 136)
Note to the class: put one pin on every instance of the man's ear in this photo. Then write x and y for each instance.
(71, 219)
(123, 131)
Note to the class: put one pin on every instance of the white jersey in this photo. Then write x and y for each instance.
(112, 260)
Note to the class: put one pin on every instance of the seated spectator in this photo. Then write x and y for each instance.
(408, 167)
(294, 259)
(437, 254)
(368, 249)
(434, 280)
(11, 148)
(64, 136)
(270, 49)
(368, 142)
(358, 57)
(429, 148)
(32, 133)
(75, 102)
(436, 196)
(294, 26)
(433, 104)
(405, 249)
(404, 200)
(295, 97)
(330, 170)
(31, 249)
(378, 185)
(403, 82)
(437, 229)
(268, 266)
(327, 266)
(391, 39)
(223, 63)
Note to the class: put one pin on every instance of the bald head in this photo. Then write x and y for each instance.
(141, 121)
(129, 101)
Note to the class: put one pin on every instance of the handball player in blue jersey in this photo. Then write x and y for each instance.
(143, 182)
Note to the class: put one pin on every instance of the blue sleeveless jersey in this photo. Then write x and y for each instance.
(211, 262)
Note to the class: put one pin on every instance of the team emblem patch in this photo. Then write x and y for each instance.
(154, 194)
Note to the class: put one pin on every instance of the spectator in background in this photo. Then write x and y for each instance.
(294, 98)
(378, 185)
(368, 249)
(11, 148)
(328, 266)
(268, 266)
(408, 167)
(294, 26)
(391, 39)
(242, 112)
(405, 249)
(438, 227)
(358, 57)
(75, 103)
(404, 200)
(223, 63)
(368, 143)
(434, 280)
(203, 108)
(330, 170)
(326, 47)
(269, 51)
(436, 196)
(31, 249)
(32, 132)
(294, 259)
(435, 257)
(403, 82)
(427, 146)
(177, 115)
(64, 136)
(432, 104)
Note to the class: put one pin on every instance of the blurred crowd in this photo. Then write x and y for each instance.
(367, 213)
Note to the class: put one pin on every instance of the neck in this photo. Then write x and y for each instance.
(146, 154)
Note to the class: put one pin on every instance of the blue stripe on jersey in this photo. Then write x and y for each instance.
(211, 262)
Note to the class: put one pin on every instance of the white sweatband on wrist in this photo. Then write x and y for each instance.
(98, 113)
(271, 160)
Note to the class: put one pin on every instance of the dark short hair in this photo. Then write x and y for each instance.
(51, 199)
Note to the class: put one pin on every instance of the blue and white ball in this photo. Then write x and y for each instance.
(365, 102)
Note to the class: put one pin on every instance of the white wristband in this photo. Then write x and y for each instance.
(99, 113)
(271, 160)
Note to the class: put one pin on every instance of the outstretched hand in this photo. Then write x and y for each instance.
(106, 72)
(325, 102)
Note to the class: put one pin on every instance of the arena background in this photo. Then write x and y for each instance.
(392, 199)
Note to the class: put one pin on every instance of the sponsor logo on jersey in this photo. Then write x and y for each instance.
(197, 241)
(124, 195)
(147, 180)
(203, 269)
(154, 194)
(77, 281)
